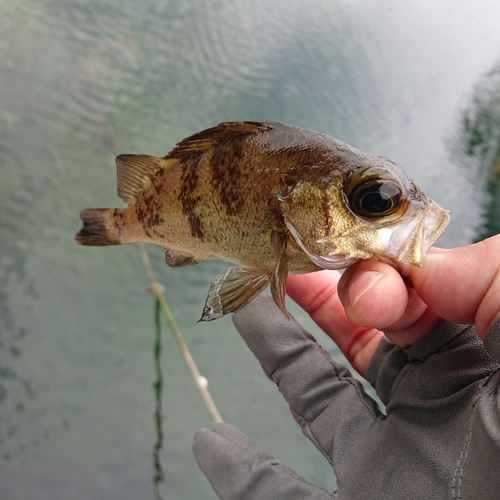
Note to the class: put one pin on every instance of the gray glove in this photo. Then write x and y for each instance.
(439, 438)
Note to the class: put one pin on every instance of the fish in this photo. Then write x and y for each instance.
(273, 199)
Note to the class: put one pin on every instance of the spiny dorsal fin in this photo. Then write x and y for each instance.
(135, 173)
(207, 139)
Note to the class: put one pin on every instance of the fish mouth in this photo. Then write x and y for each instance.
(416, 240)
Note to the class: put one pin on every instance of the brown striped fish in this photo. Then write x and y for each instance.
(271, 198)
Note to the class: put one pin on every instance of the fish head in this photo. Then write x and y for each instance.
(370, 209)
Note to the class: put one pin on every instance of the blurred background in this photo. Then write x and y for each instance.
(82, 81)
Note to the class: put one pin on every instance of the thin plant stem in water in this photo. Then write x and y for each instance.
(158, 390)
(156, 289)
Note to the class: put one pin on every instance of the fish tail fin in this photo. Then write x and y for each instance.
(98, 228)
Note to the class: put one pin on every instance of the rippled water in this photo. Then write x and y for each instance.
(84, 81)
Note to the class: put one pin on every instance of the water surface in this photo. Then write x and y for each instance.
(84, 81)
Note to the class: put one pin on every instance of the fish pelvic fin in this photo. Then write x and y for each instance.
(232, 290)
(135, 173)
(280, 274)
(98, 228)
(175, 258)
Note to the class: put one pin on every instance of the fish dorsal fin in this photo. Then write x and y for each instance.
(207, 139)
(135, 173)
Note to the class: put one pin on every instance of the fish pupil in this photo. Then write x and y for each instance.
(373, 199)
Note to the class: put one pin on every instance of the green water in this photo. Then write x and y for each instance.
(82, 81)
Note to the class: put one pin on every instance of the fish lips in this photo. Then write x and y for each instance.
(399, 244)
(408, 243)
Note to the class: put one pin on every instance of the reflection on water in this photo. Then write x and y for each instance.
(86, 80)
(477, 147)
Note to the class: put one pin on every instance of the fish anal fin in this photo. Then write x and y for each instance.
(280, 274)
(175, 258)
(207, 139)
(232, 290)
(136, 172)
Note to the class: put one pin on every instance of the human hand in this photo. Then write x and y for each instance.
(440, 437)
(372, 299)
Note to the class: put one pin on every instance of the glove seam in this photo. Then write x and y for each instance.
(456, 486)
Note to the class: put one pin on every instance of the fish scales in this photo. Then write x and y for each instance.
(271, 198)
(226, 216)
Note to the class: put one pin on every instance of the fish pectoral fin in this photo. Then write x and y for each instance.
(174, 258)
(232, 290)
(280, 274)
(135, 173)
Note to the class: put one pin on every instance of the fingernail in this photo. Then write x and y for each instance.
(362, 284)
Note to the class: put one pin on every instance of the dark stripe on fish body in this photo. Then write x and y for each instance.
(117, 219)
(154, 223)
(142, 210)
(189, 179)
(147, 214)
(226, 167)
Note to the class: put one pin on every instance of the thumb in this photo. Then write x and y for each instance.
(463, 285)
(237, 468)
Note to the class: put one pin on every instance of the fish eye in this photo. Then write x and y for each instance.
(375, 193)
(374, 198)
